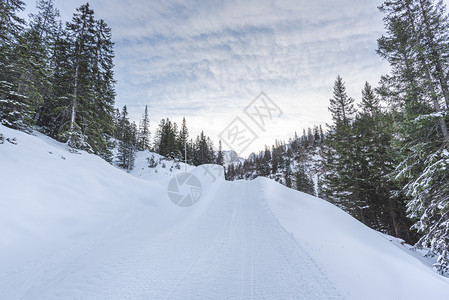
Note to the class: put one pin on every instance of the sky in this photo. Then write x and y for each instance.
(208, 61)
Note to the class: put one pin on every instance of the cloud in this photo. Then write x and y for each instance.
(208, 59)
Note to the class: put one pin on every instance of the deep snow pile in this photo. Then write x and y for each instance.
(73, 226)
(363, 261)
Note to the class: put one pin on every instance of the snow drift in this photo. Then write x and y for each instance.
(73, 226)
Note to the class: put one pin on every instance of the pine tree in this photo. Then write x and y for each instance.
(263, 164)
(341, 106)
(416, 45)
(374, 134)
(10, 24)
(81, 33)
(34, 57)
(45, 30)
(100, 129)
(288, 176)
(316, 134)
(230, 173)
(203, 150)
(310, 137)
(127, 135)
(29, 67)
(92, 97)
(158, 137)
(144, 131)
(15, 109)
(220, 158)
(183, 136)
(339, 155)
(303, 181)
(321, 134)
(175, 152)
(166, 139)
(55, 114)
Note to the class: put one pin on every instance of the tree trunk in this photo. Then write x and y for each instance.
(71, 140)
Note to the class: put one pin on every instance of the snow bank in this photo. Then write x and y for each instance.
(50, 195)
(360, 260)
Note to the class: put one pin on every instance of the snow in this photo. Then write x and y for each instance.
(231, 157)
(360, 260)
(73, 226)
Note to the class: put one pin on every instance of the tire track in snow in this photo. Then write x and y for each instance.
(236, 249)
(295, 262)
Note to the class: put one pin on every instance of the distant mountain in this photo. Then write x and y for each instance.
(231, 157)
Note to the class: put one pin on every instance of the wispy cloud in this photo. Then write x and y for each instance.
(208, 59)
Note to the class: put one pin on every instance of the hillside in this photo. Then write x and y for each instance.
(73, 226)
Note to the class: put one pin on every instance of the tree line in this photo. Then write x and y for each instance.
(386, 164)
(169, 141)
(284, 162)
(58, 77)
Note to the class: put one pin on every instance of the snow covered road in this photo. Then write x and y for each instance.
(235, 249)
(247, 254)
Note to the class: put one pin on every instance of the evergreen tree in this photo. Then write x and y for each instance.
(374, 134)
(45, 30)
(183, 137)
(127, 135)
(339, 155)
(165, 140)
(220, 158)
(203, 150)
(144, 131)
(341, 106)
(10, 24)
(288, 175)
(34, 58)
(230, 173)
(303, 181)
(276, 158)
(81, 34)
(416, 45)
(158, 143)
(91, 96)
(263, 168)
(15, 108)
(190, 152)
(29, 72)
(316, 134)
(100, 128)
(321, 134)
(54, 115)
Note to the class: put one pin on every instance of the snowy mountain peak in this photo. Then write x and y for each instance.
(231, 157)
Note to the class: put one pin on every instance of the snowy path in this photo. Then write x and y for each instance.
(235, 249)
